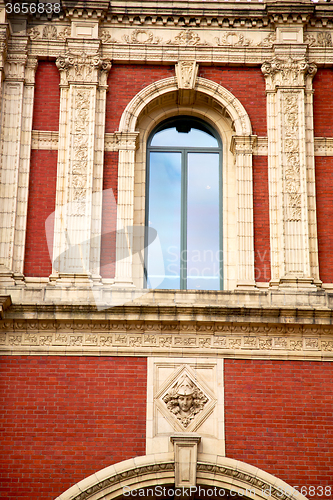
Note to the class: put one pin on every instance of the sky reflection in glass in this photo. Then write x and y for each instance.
(203, 221)
(184, 208)
(195, 138)
(164, 216)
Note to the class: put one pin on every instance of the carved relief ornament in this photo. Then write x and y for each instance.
(186, 73)
(292, 168)
(233, 39)
(187, 37)
(83, 68)
(185, 400)
(288, 72)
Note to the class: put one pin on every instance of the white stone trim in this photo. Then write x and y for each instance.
(323, 146)
(294, 254)
(77, 226)
(17, 108)
(158, 470)
(45, 140)
(233, 107)
(207, 372)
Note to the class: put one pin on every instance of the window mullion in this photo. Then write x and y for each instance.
(183, 225)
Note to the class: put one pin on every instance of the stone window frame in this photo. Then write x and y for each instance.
(212, 103)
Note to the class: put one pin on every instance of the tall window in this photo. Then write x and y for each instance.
(184, 206)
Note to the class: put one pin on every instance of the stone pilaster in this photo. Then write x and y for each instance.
(294, 256)
(4, 34)
(17, 106)
(125, 208)
(24, 167)
(242, 148)
(77, 227)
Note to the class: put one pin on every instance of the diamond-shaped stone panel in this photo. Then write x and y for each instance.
(184, 399)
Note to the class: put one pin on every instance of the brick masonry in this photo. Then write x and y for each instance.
(64, 418)
(109, 217)
(324, 198)
(125, 81)
(278, 417)
(262, 261)
(323, 103)
(248, 85)
(41, 203)
(47, 97)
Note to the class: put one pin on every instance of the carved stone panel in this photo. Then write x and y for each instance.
(185, 396)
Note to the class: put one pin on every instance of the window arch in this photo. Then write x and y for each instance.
(184, 206)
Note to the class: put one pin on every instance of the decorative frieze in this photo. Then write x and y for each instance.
(320, 39)
(142, 36)
(117, 338)
(233, 39)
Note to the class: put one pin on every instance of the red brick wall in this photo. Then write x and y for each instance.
(47, 97)
(262, 260)
(109, 215)
(41, 203)
(278, 417)
(64, 418)
(323, 103)
(324, 198)
(125, 81)
(248, 85)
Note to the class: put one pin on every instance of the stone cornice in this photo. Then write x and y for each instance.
(272, 325)
(224, 13)
(273, 306)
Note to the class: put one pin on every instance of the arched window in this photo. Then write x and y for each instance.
(184, 206)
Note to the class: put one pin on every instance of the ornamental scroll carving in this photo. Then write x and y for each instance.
(82, 68)
(292, 174)
(323, 39)
(142, 36)
(80, 151)
(187, 37)
(233, 39)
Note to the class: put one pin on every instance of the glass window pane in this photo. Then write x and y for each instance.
(203, 255)
(164, 216)
(194, 138)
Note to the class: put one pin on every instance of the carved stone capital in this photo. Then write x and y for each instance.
(241, 144)
(83, 68)
(30, 70)
(288, 72)
(15, 67)
(127, 140)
